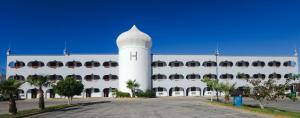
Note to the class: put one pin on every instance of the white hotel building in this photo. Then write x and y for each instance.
(167, 75)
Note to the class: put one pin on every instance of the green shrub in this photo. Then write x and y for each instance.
(146, 94)
(120, 94)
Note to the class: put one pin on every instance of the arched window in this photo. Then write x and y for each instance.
(96, 90)
(55, 77)
(36, 64)
(226, 76)
(176, 76)
(159, 76)
(274, 76)
(193, 76)
(73, 64)
(259, 76)
(108, 64)
(242, 76)
(17, 77)
(226, 64)
(289, 75)
(17, 64)
(34, 76)
(242, 64)
(176, 63)
(76, 77)
(274, 64)
(209, 64)
(289, 64)
(159, 89)
(210, 76)
(192, 64)
(55, 64)
(110, 77)
(258, 64)
(91, 64)
(91, 77)
(159, 64)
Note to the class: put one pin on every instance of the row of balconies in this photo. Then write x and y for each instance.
(222, 76)
(160, 76)
(57, 64)
(55, 77)
(222, 64)
(107, 64)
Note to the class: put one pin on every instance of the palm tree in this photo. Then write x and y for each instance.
(39, 81)
(10, 88)
(227, 89)
(132, 85)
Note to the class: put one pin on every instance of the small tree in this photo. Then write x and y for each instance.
(10, 88)
(213, 84)
(269, 90)
(227, 89)
(68, 87)
(40, 82)
(132, 85)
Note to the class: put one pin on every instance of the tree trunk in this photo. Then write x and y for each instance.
(69, 101)
(133, 94)
(41, 99)
(12, 105)
(217, 96)
(261, 105)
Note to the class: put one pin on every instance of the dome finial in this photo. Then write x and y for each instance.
(8, 51)
(134, 28)
(295, 52)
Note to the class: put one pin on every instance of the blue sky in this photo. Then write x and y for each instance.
(239, 27)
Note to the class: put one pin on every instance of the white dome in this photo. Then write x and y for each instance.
(134, 38)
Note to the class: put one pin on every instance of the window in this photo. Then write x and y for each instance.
(210, 76)
(91, 77)
(91, 64)
(242, 64)
(96, 90)
(243, 76)
(176, 76)
(73, 64)
(274, 75)
(108, 64)
(178, 89)
(193, 76)
(17, 64)
(54, 77)
(159, 64)
(176, 63)
(17, 77)
(259, 76)
(192, 64)
(159, 76)
(274, 64)
(77, 77)
(258, 64)
(226, 76)
(289, 64)
(110, 77)
(55, 64)
(289, 75)
(34, 76)
(226, 64)
(36, 64)
(209, 64)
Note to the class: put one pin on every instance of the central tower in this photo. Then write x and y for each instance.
(134, 59)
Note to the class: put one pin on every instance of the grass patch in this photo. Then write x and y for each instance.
(278, 113)
(30, 112)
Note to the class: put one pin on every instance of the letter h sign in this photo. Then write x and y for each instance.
(133, 56)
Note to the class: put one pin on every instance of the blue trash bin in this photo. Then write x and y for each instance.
(237, 101)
